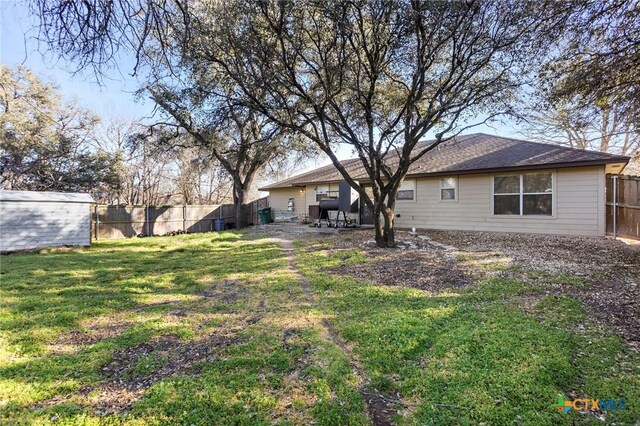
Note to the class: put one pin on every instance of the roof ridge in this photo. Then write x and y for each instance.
(568, 148)
(316, 170)
(462, 153)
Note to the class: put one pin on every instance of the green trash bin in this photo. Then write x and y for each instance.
(265, 215)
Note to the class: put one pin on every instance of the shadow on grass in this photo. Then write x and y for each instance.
(209, 332)
(47, 295)
(44, 295)
(469, 356)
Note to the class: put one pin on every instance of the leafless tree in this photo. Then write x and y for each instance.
(200, 178)
(378, 75)
(601, 128)
(156, 166)
(241, 140)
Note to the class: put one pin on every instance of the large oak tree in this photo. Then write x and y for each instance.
(96, 33)
(242, 140)
(377, 76)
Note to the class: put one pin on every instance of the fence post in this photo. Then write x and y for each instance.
(97, 221)
(258, 207)
(184, 217)
(615, 204)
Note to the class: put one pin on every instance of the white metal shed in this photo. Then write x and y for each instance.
(33, 219)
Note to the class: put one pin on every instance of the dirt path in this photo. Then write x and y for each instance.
(380, 409)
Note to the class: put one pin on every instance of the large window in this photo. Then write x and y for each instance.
(448, 189)
(525, 194)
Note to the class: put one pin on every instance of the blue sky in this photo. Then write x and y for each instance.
(113, 97)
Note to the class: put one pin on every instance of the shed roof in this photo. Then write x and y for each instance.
(473, 153)
(46, 196)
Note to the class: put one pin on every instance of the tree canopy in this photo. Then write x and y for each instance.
(44, 141)
(377, 76)
(588, 92)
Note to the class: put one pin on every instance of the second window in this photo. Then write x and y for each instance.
(448, 189)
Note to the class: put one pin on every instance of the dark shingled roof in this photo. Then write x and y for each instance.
(474, 153)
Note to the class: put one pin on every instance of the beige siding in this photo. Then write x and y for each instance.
(578, 206)
(279, 199)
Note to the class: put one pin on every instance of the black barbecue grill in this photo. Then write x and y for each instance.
(347, 202)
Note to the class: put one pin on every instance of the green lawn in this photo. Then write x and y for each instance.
(213, 329)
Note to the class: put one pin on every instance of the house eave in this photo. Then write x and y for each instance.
(623, 161)
(521, 168)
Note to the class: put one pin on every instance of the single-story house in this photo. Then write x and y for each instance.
(479, 182)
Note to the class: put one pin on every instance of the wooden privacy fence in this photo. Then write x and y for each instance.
(623, 205)
(251, 210)
(115, 221)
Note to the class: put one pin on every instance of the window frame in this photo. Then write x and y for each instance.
(320, 196)
(407, 185)
(521, 195)
(455, 189)
(323, 192)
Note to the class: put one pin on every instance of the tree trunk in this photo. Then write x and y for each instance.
(379, 227)
(239, 196)
(389, 230)
(385, 232)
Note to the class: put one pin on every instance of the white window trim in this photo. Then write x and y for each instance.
(521, 216)
(324, 190)
(455, 192)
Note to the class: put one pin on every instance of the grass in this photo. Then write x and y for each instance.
(471, 357)
(153, 288)
(148, 309)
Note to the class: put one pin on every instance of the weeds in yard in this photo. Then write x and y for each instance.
(470, 356)
(214, 329)
(194, 329)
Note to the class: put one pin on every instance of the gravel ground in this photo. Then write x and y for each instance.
(555, 254)
(604, 274)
